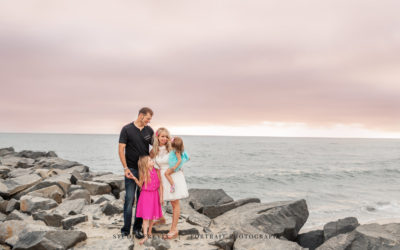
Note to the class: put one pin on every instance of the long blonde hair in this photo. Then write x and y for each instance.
(144, 173)
(156, 143)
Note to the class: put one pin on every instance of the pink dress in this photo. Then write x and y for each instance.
(149, 207)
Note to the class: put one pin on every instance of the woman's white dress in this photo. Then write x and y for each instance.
(181, 190)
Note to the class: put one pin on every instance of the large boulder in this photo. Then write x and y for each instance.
(98, 199)
(279, 219)
(73, 220)
(49, 239)
(200, 198)
(311, 240)
(71, 207)
(111, 208)
(117, 182)
(36, 154)
(10, 228)
(4, 170)
(17, 162)
(49, 218)
(6, 151)
(79, 194)
(11, 186)
(53, 192)
(17, 215)
(214, 211)
(256, 242)
(368, 237)
(61, 180)
(55, 162)
(29, 204)
(95, 188)
(340, 226)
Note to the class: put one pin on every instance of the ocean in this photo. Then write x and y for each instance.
(337, 177)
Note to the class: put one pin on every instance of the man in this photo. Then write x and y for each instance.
(134, 142)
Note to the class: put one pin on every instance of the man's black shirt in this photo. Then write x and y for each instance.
(137, 143)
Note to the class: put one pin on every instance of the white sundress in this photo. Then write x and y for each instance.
(181, 190)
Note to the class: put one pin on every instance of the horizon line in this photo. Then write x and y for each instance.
(266, 136)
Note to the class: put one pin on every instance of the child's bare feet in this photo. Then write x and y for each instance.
(143, 240)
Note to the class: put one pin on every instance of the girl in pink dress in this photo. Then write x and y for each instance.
(151, 195)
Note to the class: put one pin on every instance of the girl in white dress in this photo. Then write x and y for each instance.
(160, 153)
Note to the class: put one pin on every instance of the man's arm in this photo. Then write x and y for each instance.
(121, 153)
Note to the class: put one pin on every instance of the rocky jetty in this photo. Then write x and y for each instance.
(51, 203)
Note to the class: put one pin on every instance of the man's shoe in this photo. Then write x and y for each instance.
(124, 234)
(138, 234)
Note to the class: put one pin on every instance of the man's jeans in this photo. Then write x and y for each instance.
(130, 187)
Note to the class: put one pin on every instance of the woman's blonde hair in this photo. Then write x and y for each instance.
(156, 144)
(177, 144)
(144, 173)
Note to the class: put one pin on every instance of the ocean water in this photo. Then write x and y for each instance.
(337, 177)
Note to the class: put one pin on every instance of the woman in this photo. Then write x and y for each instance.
(160, 152)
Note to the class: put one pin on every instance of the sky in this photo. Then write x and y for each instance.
(246, 68)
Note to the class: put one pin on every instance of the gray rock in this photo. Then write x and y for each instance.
(80, 194)
(256, 243)
(111, 208)
(32, 154)
(6, 151)
(17, 215)
(280, 219)
(3, 205)
(340, 226)
(3, 217)
(55, 162)
(29, 204)
(17, 172)
(160, 244)
(115, 181)
(199, 198)
(11, 205)
(10, 228)
(17, 162)
(311, 240)
(368, 237)
(4, 170)
(95, 188)
(51, 239)
(71, 221)
(50, 219)
(75, 176)
(214, 211)
(11, 186)
(51, 154)
(98, 199)
(198, 219)
(225, 238)
(82, 169)
(52, 192)
(71, 207)
(94, 210)
(74, 187)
